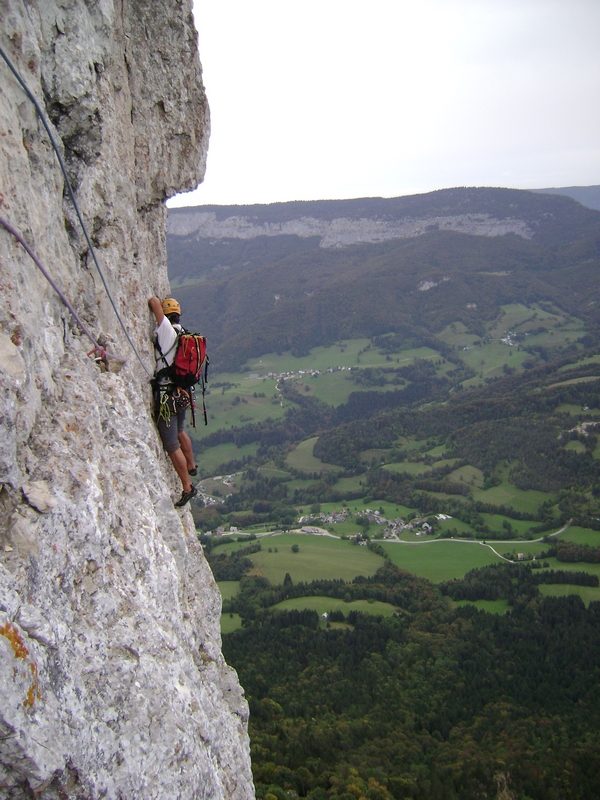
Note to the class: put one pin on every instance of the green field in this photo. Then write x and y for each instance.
(491, 606)
(472, 476)
(302, 458)
(230, 622)
(388, 510)
(323, 605)
(524, 319)
(488, 357)
(528, 501)
(235, 405)
(349, 484)
(221, 485)
(456, 334)
(211, 459)
(517, 546)
(444, 525)
(581, 536)
(347, 353)
(228, 589)
(571, 381)
(577, 411)
(587, 593)
(577, 566)
(577, 447)
(319, 557)
(488, 360)
(334, 388)
(520, 526)
(582, 363)
(273, 472)
(441, 560)
(410, 467)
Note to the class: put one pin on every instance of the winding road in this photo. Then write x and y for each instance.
(485, 544)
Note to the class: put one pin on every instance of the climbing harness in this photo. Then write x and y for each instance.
(76, 207)
(170, 401)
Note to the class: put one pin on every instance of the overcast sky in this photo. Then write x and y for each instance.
(324, 99)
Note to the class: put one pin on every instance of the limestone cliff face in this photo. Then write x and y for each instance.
(341, 231)
(113, 682)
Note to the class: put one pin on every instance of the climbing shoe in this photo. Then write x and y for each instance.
(186, 497)
(193, 472)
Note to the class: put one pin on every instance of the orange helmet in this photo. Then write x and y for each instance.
(170, 306)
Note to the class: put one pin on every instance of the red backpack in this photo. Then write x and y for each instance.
(190, 361)
(189, 367)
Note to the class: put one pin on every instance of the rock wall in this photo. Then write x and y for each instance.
(341, 231)
(113, 682)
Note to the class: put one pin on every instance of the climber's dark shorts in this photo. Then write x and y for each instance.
(169, 429)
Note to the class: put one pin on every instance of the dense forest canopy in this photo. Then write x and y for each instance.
(427, 703)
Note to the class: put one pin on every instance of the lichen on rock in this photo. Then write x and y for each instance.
(113, 680)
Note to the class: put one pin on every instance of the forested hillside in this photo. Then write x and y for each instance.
(426, 703)
(260, 293)
(435, 397)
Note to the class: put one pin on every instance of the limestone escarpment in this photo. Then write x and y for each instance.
(341, 231)
(113, 683)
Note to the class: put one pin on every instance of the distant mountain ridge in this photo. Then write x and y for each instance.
(586, 195)
(344, 222)
(292, 276)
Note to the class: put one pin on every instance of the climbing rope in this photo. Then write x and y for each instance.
(76, 207)
(97, 347)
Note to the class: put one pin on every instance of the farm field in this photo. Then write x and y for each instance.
(522, 319)
(582, 363)
(528, 501)
(346, 353)
(323, 605)
(300, 483)
(575, 410)
(472, 476)
(335, 388)
(450, 524)
(577, 566)
(349, 484)
(516, 546)
(441, 560)
(520, 526)
(388, 510)
(318, 557)
(273, 472)
(234, 404)
(491, 606)
(456, 335)
(230, 622)
(380, 455)
(437, 452)
(577, 447)
(326, 557)
(588, 594)
(414, 536)
(581, 536)
(410, 467)
(212, 458)
(221, 484)
(572, 381)
(302, 458)
(228, 589)
(488, 360)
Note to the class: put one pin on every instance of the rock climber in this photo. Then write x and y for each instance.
(172, 402)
